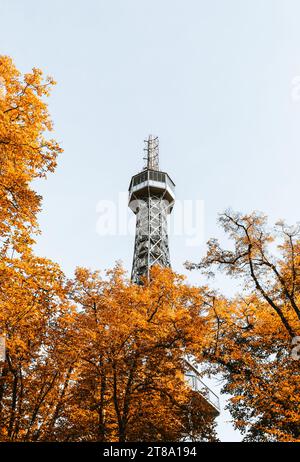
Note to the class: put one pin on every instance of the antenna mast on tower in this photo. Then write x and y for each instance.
(152, 153)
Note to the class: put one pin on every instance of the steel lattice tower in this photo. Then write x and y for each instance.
(151, 198)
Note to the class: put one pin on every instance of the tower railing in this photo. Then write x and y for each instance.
(197, 385)
(152, 175)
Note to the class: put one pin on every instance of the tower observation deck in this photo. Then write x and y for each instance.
(151, 198)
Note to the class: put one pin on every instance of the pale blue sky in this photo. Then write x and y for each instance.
(212, 78)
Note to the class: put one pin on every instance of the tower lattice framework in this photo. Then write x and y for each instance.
(151, 198)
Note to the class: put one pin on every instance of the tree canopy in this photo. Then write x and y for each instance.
(98, 358)
(254, 332)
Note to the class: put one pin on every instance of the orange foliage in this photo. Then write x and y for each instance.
(31, 288)
(251, 335)
(25, 153)
(130, 342)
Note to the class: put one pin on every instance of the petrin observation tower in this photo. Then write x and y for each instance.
(151, 198)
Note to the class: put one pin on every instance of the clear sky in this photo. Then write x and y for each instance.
(216, 80)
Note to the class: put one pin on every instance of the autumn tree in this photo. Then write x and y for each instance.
(130, 342)
(251, 335)
(25, 152)
(32, 298)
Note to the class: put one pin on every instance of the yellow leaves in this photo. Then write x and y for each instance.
(250, 346)
(25, 153)
(34, 309)
(237, 398)
(130, 342)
